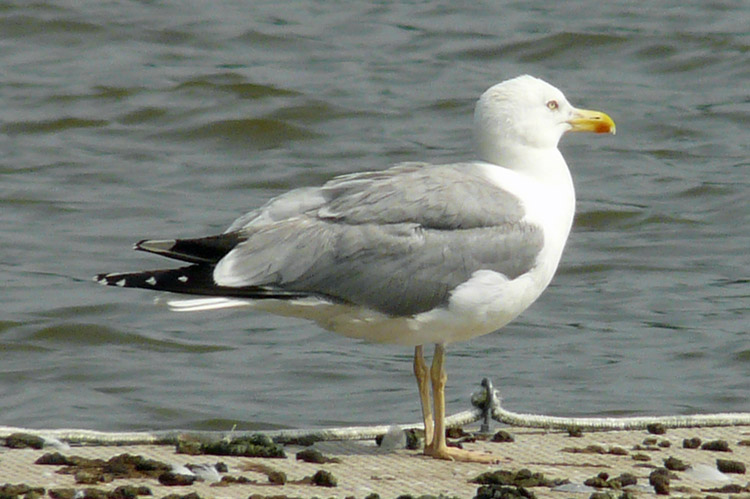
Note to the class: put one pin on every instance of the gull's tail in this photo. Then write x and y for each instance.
(196, 279)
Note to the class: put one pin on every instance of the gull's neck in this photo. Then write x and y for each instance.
(542, 165)
(547, 190)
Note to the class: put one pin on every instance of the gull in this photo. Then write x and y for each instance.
(415, 254)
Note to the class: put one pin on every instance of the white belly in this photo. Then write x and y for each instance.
(483, 304)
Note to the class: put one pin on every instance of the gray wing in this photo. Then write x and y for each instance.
(438, 196)
(398, 241)
(287, 205)
(454, 196)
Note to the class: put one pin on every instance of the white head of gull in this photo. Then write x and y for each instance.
(414, 254)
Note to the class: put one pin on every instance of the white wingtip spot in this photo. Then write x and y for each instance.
(151, 280)
(182, 278)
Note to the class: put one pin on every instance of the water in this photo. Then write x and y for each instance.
(127, 120)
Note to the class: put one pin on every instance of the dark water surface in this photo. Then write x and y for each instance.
(126, 120)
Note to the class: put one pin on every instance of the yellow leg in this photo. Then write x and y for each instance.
(438, 448)
(423, 382)
(438, 378)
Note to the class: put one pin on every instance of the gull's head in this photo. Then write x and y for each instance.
(529, 112)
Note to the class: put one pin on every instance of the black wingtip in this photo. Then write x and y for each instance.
(193, 280)
(112, 279)
(208, 250)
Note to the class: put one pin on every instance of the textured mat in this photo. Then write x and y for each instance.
(364, 468)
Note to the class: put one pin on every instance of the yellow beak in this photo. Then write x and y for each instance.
(584, 120)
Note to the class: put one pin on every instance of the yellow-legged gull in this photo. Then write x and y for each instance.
(414, 254)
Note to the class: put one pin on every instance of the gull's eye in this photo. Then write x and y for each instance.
(552, 105)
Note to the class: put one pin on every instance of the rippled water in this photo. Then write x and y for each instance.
(126, 120)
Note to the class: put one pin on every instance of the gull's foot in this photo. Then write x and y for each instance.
(463, 455)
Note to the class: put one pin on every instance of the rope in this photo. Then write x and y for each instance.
(172, 437)
(631, 423)
(486, 403)
(601, 424)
